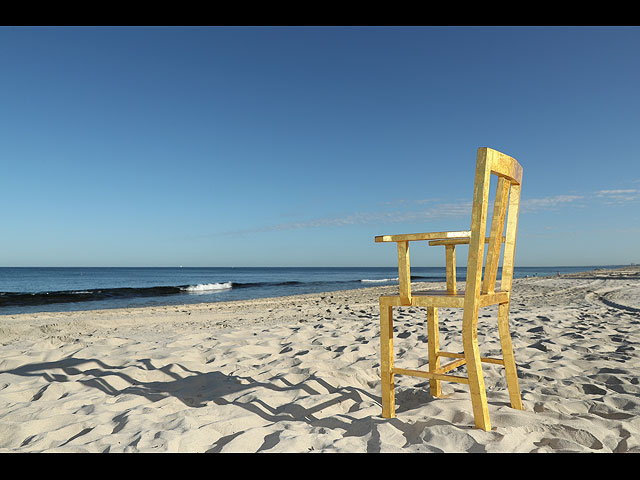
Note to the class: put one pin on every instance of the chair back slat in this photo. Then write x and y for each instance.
(506, 208)
(510, 240)
(495, 236)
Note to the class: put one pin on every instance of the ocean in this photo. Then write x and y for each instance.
(54, 289)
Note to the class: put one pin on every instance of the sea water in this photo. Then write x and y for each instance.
(39, 289)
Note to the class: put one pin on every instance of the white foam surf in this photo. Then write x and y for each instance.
(204, 287)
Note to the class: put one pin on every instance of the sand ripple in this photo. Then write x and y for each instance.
(301, 374)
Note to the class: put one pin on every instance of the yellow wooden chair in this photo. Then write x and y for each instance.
(480, 291)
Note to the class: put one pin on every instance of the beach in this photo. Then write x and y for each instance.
(302, 374)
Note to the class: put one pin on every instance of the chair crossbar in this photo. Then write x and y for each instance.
(440, 373)
(498, 361)
(430, 375)
(451, 365)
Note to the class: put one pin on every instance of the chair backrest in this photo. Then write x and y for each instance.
(506, 206)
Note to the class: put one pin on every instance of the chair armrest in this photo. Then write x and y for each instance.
(404, 268)
(458, 241)
(410, 237)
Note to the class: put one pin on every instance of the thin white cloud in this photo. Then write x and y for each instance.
(546, 203)
(446, 210)
(438, 210)
(619, 196)
(602, 193)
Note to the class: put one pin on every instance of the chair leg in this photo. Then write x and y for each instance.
(386, 361)
(474, 369)
(434, 349)
(507, 355)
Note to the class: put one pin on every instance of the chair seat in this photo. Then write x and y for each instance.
(443, 298)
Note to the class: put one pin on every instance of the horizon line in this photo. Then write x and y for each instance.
(303, 266)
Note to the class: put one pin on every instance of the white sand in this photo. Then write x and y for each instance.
(300, 374)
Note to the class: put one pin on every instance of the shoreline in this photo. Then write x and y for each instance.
(631, 269)
(138, 291)
(301, 373)
(65, 324)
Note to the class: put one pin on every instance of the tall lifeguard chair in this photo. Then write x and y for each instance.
(480, 290)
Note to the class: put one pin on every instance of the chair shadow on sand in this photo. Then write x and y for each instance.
(201, 389)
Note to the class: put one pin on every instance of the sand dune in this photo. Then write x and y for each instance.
(301, 374)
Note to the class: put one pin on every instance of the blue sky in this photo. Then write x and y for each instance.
(295, 146)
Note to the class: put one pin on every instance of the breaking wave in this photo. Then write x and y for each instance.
(13, 299)
(206, 287)
(17, 299)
